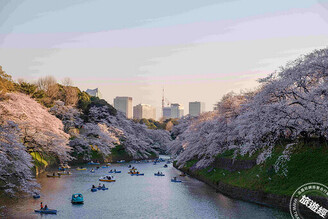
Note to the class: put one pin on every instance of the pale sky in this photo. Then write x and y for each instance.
(198, 50)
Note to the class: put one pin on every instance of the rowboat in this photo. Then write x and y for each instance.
(48, 211)
(107, 179)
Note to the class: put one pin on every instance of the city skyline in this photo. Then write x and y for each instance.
(176, 109)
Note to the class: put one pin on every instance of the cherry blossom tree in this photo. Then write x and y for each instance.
(15, 163)
(40, 131)
(291, 103)
(102, 131)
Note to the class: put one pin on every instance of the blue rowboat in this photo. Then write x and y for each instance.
(36, 196)
(94, 190)
(137, 174)
(104, 188)
(43, 211)
(93, 163)
(159, 174)
(176, 180)
(77, 198)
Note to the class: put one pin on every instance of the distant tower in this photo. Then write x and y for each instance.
(163, 100)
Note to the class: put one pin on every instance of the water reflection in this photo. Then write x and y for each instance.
(145, 196)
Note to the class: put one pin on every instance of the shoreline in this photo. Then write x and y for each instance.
(280, 202)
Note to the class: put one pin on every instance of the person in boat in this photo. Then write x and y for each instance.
(114, 170)
(46, 207)
(158, 172)
(41, 206)
(129, 166)
(93, 186)
(103, 186)
(99, 185)
(109, 178)
(175, 178)
(53, 174)
(137, 172)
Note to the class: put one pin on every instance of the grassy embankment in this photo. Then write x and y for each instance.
(308, 163)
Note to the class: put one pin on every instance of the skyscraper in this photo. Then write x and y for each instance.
(196, 108)
(144, 111)
(124, 105)
(166, 112)
(175, 111)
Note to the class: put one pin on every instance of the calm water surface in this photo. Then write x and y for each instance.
(145, 196)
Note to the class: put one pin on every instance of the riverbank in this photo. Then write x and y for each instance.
(259, 197)
(241, 178)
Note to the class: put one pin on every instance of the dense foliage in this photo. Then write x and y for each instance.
(291, 104)
(56, 123)
(102, 131)
(153, 124)
(15, 162)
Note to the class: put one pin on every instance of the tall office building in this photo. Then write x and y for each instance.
(124, 105)
(94, 92)
(175, 111)
(144, 111)
(196, 108)
(166, 112)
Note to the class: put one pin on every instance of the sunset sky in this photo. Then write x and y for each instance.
(197, 50)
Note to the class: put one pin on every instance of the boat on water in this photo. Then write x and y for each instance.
(64, 173)
(77, 198)
(45, 211)
(64, 167)
(159, 174)
(114, 171)
(165, 166)
(108, 164)
(132, 172)
(174, 179)
(93, 163)
(121, 161)
(53, 175)
(79, 168)
(92, 171)
(36, 196)
(107, 178)
(94, 189)
(137, 174)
